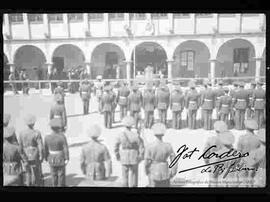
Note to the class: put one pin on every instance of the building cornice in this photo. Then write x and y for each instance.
(169, 37)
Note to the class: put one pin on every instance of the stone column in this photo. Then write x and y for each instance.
(107, 24)
(128, 68)
(49, 68)
(239, 19)
(169, 63)
(193, 21)
(66, 24)
(46, 24)
(258, 68)
(171, 23)
(26, 25)
(85, 22)
(88, 69)
(212, 70)
(7, 24)
(12, 67)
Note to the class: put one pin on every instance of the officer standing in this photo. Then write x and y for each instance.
(59, 90)
(207, 105)
(58, 111)
(149, 104)
(13, 85)
(30, 142)
(192, 105)
(131, 153)
(248, 143)
(232, 94)
(163, 102)
(225, 105)
(177, 103)
(122, 99)
(135, 103)
(56, 153)
(95, 158)
(99, 90)
(107, 100)
(12, 159)
(85, 94)
(250, 111)
(6, 121)
(219, 127)
(218, 93)
(241, 103)
(259, 104)
(156, 156)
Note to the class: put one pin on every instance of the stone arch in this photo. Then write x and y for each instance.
(227, 58)
(33, 60)
(191, 59)
(149, 52)
(105, 60)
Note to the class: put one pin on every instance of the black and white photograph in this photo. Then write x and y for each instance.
(174, 100)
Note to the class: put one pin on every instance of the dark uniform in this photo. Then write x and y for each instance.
(192, 105)
(59, 90)
(240, 104)
(56, 153)
(163, 102)
(12, 159)
(224, 107)
(130, 154)
(13, 85)
(207, 105)
(149, 104)
(85, 93)
(134, 104)
(177, 103)
(30, 142)
(58, 111)
(259, 105)
(218, 93)
(122, 100)
(95, 157)
(249, 111)
(12, 139)
(114, 103)
(156, 156)
(107, 100)
(219, 127)
(232, 94)
(248, 143)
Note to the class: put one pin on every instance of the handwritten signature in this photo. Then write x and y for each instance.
(220, 162)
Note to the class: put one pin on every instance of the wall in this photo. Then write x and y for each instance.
(228, 24)
(58, 30)
(37, 30)
(183, 25)
(204, 25)
(98, 28)
(161, 26)
(76, 29)
(250, 23)
(117, 28)
(138, 27)
(19, 31)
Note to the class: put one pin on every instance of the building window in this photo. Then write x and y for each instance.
(75, 17)
(159, 15)
(137, 16)
(116, 16)
(55, 17)
(180, 15)
(95, 16)
(35, 18)
(17, 18)
(240, 60)
(203, 14)
(187, 59)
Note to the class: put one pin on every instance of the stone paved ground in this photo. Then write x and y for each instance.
(39, 104)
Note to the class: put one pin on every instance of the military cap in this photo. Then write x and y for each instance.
(261, 134)
(220, 126)
(99, 77)
(251, 124)
(159, 129)
(56, 123)
(226, 138)
(9, 131)
(30, 119)
(94, 131)
(128, 121)
(6, 118)
(58, 98)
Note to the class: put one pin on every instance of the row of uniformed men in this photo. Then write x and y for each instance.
(231, 105)
(249, 171)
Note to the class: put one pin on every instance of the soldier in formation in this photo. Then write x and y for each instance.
(225, 106)
(122, 99)
(149, 105)
(156, 159)
(30, 142)
(58, 111)
(177, 103)
(163, 102)
(56, 153)
(218, 93)
(250, 110)
(95, 157)
(107, 101)
(85, 94)
(99, 89)
(59, 90)
(130, 154)
(258, 104)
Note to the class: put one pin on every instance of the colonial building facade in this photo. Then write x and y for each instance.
(179, 44)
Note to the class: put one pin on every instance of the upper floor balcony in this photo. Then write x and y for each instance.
(23, 26)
